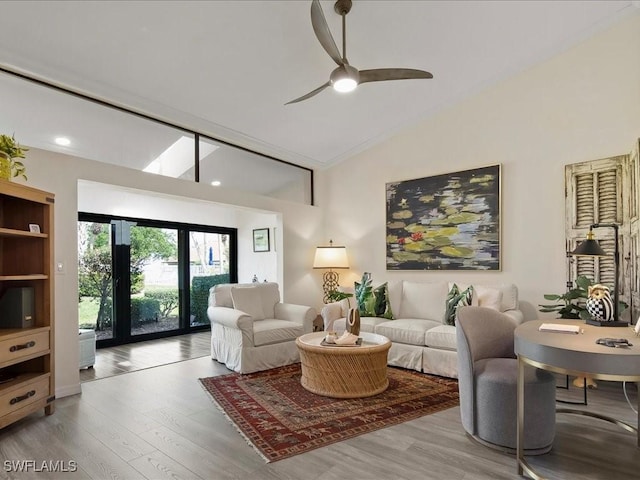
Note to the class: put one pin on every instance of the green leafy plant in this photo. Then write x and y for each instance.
(13, 150)
(573, 303)
(336, 295)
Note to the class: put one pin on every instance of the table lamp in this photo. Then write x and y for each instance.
(591, 247)
(330, 257)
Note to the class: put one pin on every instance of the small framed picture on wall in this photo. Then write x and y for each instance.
(261, 240)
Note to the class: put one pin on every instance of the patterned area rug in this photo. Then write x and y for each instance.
(279, 418)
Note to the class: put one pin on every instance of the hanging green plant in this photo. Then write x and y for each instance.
(9, 151)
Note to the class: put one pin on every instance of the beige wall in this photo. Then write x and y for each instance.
(581, 105)
(298, 234)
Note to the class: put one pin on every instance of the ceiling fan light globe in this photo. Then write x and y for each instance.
(345, 85)
(345, 78)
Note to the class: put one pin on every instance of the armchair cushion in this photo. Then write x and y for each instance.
(270, 331)
(248, 300)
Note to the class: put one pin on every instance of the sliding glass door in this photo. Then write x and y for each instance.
(142, 279)
(209, 265)
(154, 280)
(95, 282)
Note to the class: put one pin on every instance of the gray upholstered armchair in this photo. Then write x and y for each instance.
(487, 381)
(252, 330)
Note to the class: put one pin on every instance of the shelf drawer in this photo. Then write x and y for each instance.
(24, 346)
(24, 394)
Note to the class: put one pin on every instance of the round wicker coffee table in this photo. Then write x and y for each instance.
(344, 372)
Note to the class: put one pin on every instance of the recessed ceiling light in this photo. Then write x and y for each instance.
(216, 183)
(63, 141)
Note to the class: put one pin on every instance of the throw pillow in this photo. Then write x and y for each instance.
(372, 302)
(455, 299)
(248, 300)
(489, 297)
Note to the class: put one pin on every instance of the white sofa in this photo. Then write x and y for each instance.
(252, 330)
(421, 340)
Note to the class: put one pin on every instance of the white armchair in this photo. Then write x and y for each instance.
(252, 330)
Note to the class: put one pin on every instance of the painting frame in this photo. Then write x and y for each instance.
(261, 241)
(450, 221)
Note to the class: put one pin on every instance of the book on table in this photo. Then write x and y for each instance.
(559, 328)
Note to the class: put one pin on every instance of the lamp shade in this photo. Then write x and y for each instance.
(331, 257)
(589, 247)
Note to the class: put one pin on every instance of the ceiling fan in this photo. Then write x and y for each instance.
(346, 78)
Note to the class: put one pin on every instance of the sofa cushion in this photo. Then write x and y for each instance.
(423, 300)
(509, 293)
(457, 298)
(488, 297)
(367, 324)
(372, 302)
(248, 300)
(408, 331)
(442, 337)
(271, 331)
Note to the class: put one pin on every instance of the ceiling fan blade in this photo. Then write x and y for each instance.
(310, 94)
(323, 33)
(382, 74)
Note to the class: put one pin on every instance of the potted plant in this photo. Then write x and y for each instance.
(9, 151)
(336, 296)
(573, 303)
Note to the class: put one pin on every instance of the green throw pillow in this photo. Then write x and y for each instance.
(455, 299)
(372, 302)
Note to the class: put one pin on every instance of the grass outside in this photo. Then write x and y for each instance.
(88, 311)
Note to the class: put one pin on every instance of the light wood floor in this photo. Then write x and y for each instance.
(138, 356)
(159, 423)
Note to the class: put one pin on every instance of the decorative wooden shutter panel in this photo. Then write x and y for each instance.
(631, 260)
(593, 193)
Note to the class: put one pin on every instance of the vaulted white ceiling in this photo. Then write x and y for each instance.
(227, 68)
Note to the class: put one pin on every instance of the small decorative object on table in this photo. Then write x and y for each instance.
(601, 308)
(353, 321)
(345, 340)
(599, 303)
(331, 337)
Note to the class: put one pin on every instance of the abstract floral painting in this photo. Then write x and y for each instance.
(445, 222)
